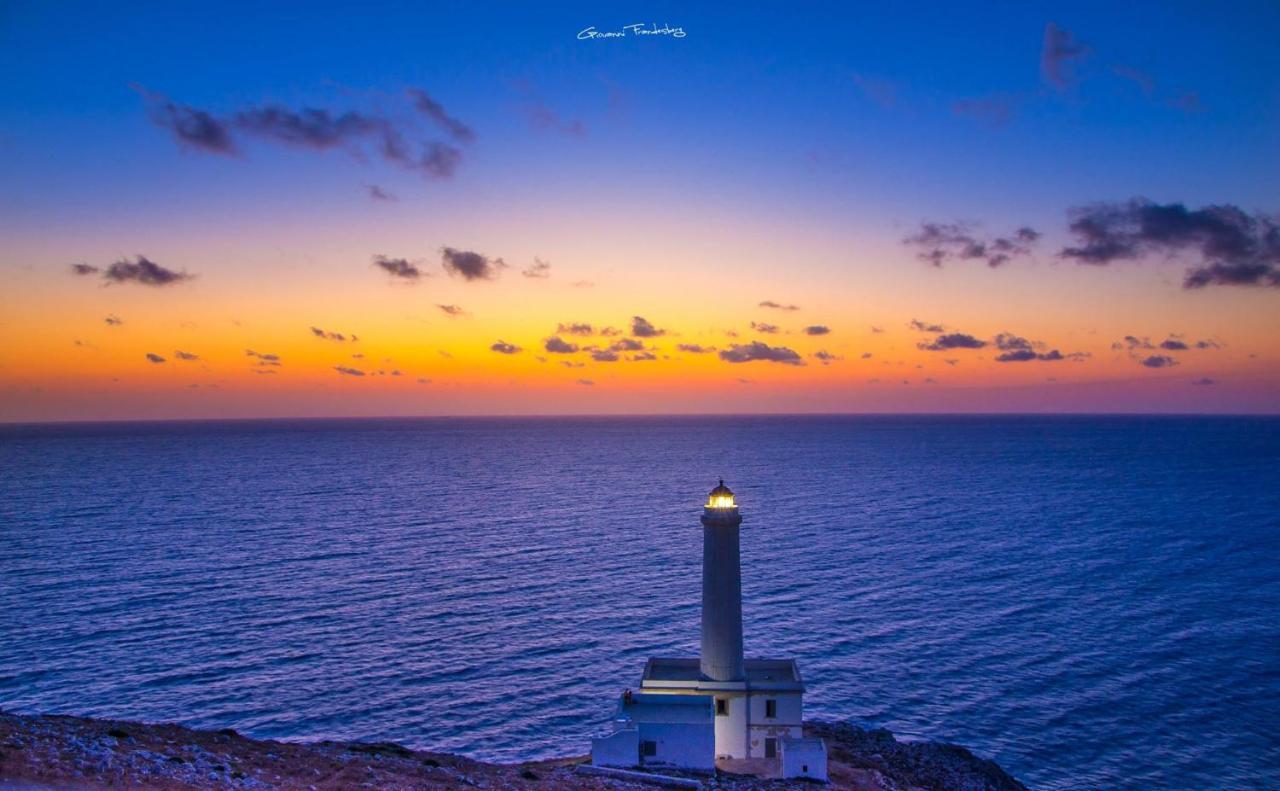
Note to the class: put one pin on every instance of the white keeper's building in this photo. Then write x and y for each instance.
(718, 709)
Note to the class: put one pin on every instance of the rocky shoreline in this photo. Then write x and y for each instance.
(79, 754)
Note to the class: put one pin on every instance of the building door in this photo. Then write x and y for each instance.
(770, 748)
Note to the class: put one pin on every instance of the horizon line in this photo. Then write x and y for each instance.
(618, 415)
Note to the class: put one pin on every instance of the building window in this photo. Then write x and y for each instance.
(722, 707)
(771, 708)
(648, 748)
(770, 748)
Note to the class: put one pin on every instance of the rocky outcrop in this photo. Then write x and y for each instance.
(904, 766)
(57, 752)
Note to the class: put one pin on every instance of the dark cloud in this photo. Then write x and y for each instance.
(188, 356)
(750, 352)
(379, 194)
(470, 266)
(538, 269)
(643, 357)
(768, 303)
(191, 127)
(264, 360)
(586, 383)
(332, 336)
(1133, 342)
(1233, 248)
(642, 328)
(626, 345)
(318, 129)
(1159, 361)
(817, 329)
(604, 356)
(826, 357)
(556, 345)
(954, 340)
(1209, 344)
(433, 110)
(311, 127)
(345, 371)
(400, 268)
(940, 242)
(877, 330)
(113, 320)
(155, 358)
(694, 348)
(1057, 56)
(1204, 380)
(1174, 345)
(83, 269)
(144, 271)
(452, 310)
(767, 329)
(502, 347)
(924, 326)
(435, 161)
(576, 328)
(866, 355)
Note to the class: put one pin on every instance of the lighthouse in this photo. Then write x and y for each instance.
(721, 658)
(718, 710)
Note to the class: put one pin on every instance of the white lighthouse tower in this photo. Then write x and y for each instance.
(718, 710)
(721, 658)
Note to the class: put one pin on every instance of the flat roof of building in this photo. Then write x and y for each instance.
(782, 674)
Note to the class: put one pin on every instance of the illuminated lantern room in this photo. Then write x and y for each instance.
(721, 497)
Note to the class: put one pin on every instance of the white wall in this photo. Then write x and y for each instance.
(731, 730)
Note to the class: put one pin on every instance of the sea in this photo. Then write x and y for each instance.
(1092, 602)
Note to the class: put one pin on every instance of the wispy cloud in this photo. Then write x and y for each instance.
(769, 303)
(539, 269)
(939, 242)
(1058, 56)
(502, 347)
(433, 110)
(400, 268)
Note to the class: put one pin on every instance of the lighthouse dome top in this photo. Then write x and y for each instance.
(721, 497)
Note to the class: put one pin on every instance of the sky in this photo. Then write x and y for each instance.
(329, 209)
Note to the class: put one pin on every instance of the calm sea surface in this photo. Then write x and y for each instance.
(1092, 602)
